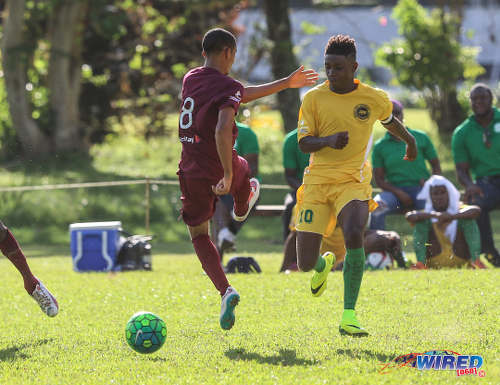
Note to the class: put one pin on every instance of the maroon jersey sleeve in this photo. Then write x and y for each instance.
(232, 96)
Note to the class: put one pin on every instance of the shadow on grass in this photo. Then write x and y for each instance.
(361, 354)
(16, 352)
(286, 357)
(157, 359)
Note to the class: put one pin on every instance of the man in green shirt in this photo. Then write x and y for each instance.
(399, 179)
(294, 163)
(476, 150)
(226, 228)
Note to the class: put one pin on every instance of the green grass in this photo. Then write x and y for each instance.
(282, 334)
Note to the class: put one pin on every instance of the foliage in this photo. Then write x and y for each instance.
(134, 56)
(429, 56)
(281, 336)
(140, 51)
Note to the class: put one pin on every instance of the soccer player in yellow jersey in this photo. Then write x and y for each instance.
(335, 126)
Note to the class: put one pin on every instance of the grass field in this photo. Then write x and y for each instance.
(282, 335)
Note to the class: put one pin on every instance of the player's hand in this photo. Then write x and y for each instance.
(411, 151)
(223, 186)
(404, 198)
(302, 77)
(471, 192)
(338, 141)
(443, 217)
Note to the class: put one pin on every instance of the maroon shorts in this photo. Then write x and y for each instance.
(198, 199)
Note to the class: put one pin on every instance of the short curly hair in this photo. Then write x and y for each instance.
(216, 39)
(341, 45)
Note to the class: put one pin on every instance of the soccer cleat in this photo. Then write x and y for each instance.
(318, 280)
(252, 198)
(418, 266)
(493, 258)
(477, 264)
(349, 326)
(45, 300)
(229, 301)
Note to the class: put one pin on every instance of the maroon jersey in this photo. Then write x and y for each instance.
(204, 92)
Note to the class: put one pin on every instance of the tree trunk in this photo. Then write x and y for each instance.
(15, 57)
(283, 61)
(64, 80)
(445, 110)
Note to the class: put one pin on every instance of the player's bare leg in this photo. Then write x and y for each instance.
(308, 258)
(11, 249)
(290, 252)
(352, 219)
(308, 245)
(210, 261)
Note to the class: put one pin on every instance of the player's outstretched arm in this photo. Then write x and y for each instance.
(299, 78)
(396, 128)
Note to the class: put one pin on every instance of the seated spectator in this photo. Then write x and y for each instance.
(446, 234)
(374, 240)
(476, 150)
(224, 227)
(294, 163)
(400, 180)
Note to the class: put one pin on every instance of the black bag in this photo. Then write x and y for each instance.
(135, 253)
(242, 265)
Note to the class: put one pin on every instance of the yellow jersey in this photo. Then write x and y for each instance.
(323, 113)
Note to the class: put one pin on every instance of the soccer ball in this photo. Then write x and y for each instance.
(378, 260)
(145, 332)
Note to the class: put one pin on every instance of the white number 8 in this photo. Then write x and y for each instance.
(187, 111)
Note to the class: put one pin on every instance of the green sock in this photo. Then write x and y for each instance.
(472, 237)
(354, 265)
(420, 239)
(320, 264)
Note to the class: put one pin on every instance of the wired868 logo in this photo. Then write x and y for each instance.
(438, 360)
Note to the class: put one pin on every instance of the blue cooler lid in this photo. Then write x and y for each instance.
(112, 225)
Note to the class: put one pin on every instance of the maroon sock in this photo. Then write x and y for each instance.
(11, 249)
(210, 261)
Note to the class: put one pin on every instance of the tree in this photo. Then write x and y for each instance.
(15, 59)
(283, 60)
(56, 25)
(430, 58)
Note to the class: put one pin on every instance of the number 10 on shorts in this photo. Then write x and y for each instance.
(306, 216)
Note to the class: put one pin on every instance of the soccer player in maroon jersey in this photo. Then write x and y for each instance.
(11, 249)
(209, 165)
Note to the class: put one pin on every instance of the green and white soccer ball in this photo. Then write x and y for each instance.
(145, 332)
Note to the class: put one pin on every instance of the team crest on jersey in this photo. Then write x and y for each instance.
(361, 112)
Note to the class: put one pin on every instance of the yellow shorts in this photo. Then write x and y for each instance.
(334, 242)
(318, 205)
(446, 258)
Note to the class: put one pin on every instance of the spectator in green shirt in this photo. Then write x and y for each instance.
(400, 180)
(294, 163)
(476, 150)
(225, 227)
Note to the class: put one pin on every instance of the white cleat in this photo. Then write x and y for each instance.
(226, 240)
(252, 199)
(45, 300)
(229, 302)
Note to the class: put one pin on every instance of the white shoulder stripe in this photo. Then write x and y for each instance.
(388, 120)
